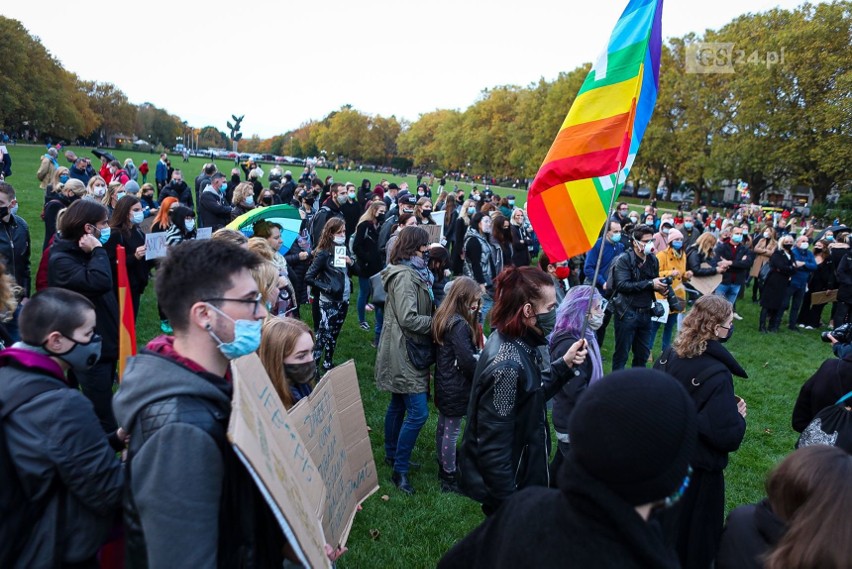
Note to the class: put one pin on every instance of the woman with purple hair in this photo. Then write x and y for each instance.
(569, 324)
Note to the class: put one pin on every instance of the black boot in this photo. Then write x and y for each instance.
(400, 480)
(449, 481)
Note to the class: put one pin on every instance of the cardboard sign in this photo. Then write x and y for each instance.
(155, 246)
(204, 233)
(340, 257)
(706, 285)
(823, 297)
(332, 425)
(313, 465)
(434, 231)
(270, 447)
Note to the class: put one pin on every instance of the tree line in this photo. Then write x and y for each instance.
(766, 99)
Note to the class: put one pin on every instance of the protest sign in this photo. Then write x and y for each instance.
(434, 232)
(823, 297)
(706, 285)
(269, 446)
(340, 257)
(439, 217)
(155, 245)
(315, 464)
(204, 233)
(332, 425)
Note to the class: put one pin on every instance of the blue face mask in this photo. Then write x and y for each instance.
(471, 210)
(105, 233)
(676, 245)
(511, 202)
(250, 200)
(137, 217)
(63, 178)
(737, 238)
(246, 337)
(119, 195)
(687, 225)
(616, 237)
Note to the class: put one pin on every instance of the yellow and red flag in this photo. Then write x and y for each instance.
(570, 196)
(127, 320)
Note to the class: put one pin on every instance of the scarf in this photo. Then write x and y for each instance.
(419, 265)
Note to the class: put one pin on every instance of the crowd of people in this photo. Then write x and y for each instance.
(460, 315)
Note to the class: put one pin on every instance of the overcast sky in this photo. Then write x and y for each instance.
(283, 63)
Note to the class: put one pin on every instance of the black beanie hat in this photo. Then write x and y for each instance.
(635, 432)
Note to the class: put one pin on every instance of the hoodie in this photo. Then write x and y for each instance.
(178, 468)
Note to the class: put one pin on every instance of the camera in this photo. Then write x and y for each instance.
(657, 309)
(667, 281)
(675, 304)
(843, 334)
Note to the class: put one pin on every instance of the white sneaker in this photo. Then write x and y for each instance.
(737, 316)
(801, 325)
(809, 327)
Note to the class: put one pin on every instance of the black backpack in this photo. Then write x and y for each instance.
(19, 514)
(832, 426)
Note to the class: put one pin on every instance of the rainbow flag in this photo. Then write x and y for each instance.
(127, 320)
(571, 194)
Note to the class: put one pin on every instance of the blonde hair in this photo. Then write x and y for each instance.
(8, 290)
(370, 214)
(55, 183)
(76, 186)
(699, 325)
(112, 189)
(261, 247)
(277, 341)
(241, 192)
(90, 187)
(265, 276)
(705, 244)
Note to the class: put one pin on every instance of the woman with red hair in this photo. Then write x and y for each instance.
(506, 444)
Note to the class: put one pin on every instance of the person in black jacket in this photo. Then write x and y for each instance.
(843, 310)
(829, 383)
(351, 210)
(823, 279)
(203, 180)
(458, 336)
(14, 249)
(64, 196)
(521, 241)
(366, 249)
(635, 275)
(177, 188)
(699, 361)
(506, 443)
(330, 209)
(774, 292)
(328, 274)
(78, 262)
(632, 435)
(299, 258)
(125, 231)
(64, 467)
(213, 210)
(804, 520)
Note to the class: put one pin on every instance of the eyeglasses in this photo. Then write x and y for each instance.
(255, 301)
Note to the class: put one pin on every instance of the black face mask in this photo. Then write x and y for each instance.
(301, 373)
(380, 219)
(266, 200)
(730, 333)
(4, 211)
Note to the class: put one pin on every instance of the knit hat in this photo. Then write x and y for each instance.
(131, 187)
(635, 432)
(673, 235)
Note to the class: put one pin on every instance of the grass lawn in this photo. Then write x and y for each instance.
(415, 531)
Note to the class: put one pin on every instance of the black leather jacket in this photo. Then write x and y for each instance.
(323, 275)
(634, 281)
(506, 444)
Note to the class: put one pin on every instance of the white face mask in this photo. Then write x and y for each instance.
(100, 191)
(649, 248)
(339, 240)
(596, 320)
(190, 224)
(767, 235)
(803, 246)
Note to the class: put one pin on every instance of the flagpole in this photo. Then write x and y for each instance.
(600, 252)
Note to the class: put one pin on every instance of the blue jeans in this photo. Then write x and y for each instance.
(728, 291)
(364, 292)
(667, 331)
(632, 331)
(487, 304)
(380, 321)
(794, 297)
(406, 415)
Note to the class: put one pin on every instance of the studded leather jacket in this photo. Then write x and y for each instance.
(506, 444)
